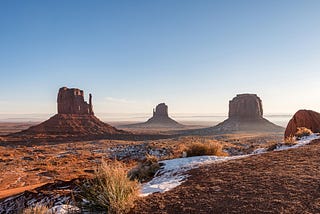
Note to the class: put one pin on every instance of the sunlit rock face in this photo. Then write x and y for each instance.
(303, 118)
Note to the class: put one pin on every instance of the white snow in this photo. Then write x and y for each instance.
(173, 172)
(303, 141)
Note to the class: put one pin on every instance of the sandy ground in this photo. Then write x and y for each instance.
(24, 166)
(275, 182)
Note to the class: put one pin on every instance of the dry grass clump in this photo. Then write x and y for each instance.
(37, 209)
(303, 132)
(145, 170)
(290, 141)
(205, 148)
(110, 190)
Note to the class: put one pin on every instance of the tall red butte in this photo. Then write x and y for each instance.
(75, 118)
(303, 118)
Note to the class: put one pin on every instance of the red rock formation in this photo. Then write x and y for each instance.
(246, 114)
(71, 101)
(303, 118)
(246, 106)
(75, 118)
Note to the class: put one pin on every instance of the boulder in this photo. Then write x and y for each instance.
(303, 118)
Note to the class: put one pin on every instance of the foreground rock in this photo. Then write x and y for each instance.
(160, 119)
(75, 119)
(303, 118)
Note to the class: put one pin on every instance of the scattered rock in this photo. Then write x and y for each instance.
(303, 118)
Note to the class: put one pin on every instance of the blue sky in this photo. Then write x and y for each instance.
(131, 55)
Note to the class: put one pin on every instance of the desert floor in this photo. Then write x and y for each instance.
(26, 167)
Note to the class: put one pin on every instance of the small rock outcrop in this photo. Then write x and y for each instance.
(71, 101)
(75, 119)
(160, 119)
(303, 118)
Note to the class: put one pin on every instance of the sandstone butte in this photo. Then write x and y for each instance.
(245, 115)
(159, 119)
(303, 118)
(75, 118)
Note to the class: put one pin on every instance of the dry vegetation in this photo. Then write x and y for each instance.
(303, 132)
(110, 190)
(37, 209)
(145, 169)
(205, 148)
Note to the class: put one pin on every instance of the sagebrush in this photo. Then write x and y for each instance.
(110, 190)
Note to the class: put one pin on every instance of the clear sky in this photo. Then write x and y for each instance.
(131, 55)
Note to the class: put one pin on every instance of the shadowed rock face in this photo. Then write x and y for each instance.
(246, 106)
(161, 111)
(303, 118)
(71, 101)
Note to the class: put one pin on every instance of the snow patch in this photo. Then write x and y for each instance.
(172, 173)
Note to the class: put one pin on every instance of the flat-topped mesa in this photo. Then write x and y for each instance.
(71, 101)
(161, 110)
(246, 106)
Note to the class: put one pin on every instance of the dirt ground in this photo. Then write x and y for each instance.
(23, 167)
(275, 182)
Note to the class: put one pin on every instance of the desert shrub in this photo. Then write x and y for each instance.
(303, 132)
(290, 141)
(110, 190)
(145, 170)
(206, 148)
(37, 209)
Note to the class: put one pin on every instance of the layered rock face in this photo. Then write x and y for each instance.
(303, 118)
(160, 119)
(75, 118)
(247, 106)
(71, 101)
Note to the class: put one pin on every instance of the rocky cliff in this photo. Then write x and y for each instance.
(71, 101)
